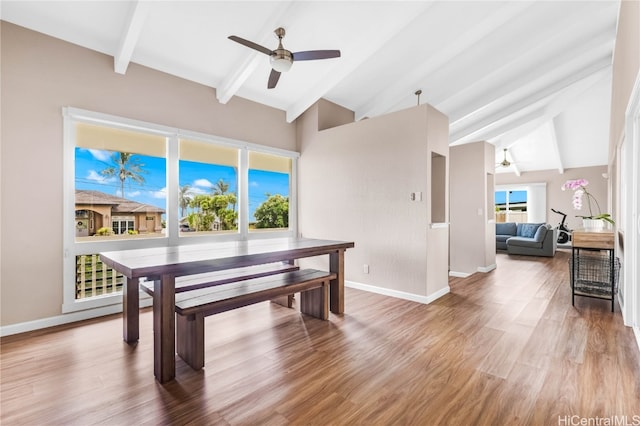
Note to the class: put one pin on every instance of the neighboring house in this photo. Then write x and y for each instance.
(95, 210)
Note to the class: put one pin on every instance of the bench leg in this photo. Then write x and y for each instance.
(190, 339)
(286, 301)
(315, 302)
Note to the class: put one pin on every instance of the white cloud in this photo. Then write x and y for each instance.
(97, 177)
(197, 191)
(132, 194)
(203, 183)
(161, 194)
(100, 155)
(254, 184)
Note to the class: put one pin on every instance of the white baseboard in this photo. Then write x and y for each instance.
(38, 324)
(459, 274)
(483, 269)
(398, 294)
(486, 269)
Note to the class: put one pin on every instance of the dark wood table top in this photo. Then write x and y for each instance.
(207, 257)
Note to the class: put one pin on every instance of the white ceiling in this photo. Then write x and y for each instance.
(533, 77)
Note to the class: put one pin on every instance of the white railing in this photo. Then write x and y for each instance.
(94, 278)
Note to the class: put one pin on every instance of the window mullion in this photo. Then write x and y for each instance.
(243, 193)
(173, 188)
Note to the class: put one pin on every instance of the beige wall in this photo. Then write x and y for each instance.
(472, 238)
(626, 69)
(39, 76)
(561, 200)
(626, 65)
(355, 183)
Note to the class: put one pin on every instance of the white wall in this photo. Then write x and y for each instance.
(472, 239)
(355, 182)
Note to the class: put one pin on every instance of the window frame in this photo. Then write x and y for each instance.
(172, 135)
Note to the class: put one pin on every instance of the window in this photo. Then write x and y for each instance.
(208, 189)
(121, 225)
(120, 183)
(269, 189)
(511, 206)
(131, 184)
(521, 203)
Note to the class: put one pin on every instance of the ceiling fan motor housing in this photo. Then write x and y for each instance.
(281, 59)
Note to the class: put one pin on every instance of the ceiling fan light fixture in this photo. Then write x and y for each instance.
(281, 60)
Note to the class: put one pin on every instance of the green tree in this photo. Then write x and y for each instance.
(211, 207)
(126, 167)
(273, 213)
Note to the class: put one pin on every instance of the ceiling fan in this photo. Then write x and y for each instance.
(281, 58)
(504, 162)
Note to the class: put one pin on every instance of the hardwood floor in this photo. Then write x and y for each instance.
(502, 348)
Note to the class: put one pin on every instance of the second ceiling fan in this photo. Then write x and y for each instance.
(504, 162)
(281, 58)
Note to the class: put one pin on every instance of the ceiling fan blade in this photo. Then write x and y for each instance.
(310, 55)
(251, 44)
(273, 79)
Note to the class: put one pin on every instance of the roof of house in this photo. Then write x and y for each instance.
(118, 204)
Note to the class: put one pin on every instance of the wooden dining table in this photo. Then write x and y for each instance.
(164, 264)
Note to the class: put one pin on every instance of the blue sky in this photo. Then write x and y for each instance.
(200, 177)
(514, 197)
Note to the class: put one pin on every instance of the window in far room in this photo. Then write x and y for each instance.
(511, 206)
(523, 203)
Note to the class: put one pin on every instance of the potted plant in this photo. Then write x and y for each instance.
(579, 188)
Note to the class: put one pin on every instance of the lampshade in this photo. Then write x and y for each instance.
(281, 64)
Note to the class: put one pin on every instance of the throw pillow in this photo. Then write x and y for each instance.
(529, 229)
(507, 228)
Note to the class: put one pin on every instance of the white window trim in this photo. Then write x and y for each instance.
(71, 248)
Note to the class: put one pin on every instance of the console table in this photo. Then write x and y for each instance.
(593, 273)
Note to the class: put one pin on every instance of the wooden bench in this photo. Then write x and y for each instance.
(211, 279)
(193, 306)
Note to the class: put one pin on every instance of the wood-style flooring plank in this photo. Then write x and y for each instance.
(505, 347)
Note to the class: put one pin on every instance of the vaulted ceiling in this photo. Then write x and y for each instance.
(533, 77)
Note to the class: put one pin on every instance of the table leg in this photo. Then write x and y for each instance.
(164, 333)
(130, 310)
(573, 275)
(336, 264)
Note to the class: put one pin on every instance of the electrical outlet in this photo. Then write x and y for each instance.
(365, 269)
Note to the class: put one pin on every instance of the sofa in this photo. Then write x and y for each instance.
(531, 239)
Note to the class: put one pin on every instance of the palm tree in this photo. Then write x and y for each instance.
(184, 198)
(220, 188)
(126, 167)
